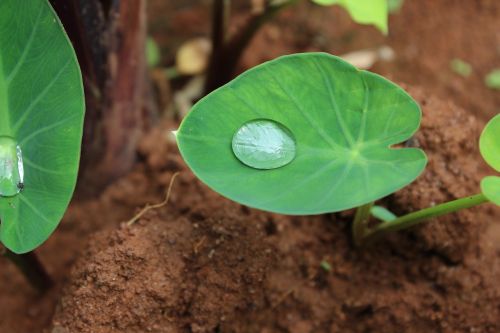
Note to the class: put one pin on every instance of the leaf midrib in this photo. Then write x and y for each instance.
(5, 126)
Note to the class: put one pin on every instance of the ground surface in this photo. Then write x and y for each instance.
(204, 263)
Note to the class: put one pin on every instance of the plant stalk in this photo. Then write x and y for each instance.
(32, 269)
(225, 56)
(220, 19)
(417, 217)
(360, 223)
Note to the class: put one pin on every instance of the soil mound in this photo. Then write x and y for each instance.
(205, 264)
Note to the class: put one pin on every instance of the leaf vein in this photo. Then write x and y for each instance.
(45, 129)
(20, 122)
(291, 190)
(249, 106)
(345, 130)
(45, 170)
(27, 46)
(344, 173)
(311, 122)
(33, 208)
(364, 115)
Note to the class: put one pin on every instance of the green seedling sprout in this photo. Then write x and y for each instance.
(41, 122)
(325, 265)
(492, 80)
(310, 134)
(461, 67)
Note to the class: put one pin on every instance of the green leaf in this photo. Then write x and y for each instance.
(490, 186)
(152, 52)
(363, 11)
(394, 6)
(343, 122)
(492, 80)
(41, 110)
(489, 143)
(382, 213)
(461, 67)
(326, 266)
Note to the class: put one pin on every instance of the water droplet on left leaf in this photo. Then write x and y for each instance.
(11, 167)
(264, 144)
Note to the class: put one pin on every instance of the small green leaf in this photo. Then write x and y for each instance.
(461, 67)
(41, 112)
(489, 143)
(394, 6)
(492, 80)
(152, 52)
(343, 122)
(382, 213)
(363, 11)
(490, 186)
(326, 266)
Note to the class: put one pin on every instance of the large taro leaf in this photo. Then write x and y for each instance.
(41, 109)
(489, 144)
(343, 120)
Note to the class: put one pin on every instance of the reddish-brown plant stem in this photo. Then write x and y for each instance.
(109, 40)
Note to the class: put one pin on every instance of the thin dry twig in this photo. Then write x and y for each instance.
(148, 207)
(283, 298)
(197, 246)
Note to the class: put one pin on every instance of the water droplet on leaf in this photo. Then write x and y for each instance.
(264, 144)
(11, 167)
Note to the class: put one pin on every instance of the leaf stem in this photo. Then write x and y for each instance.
(360, 223)
(417, 217)
(32, 269)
